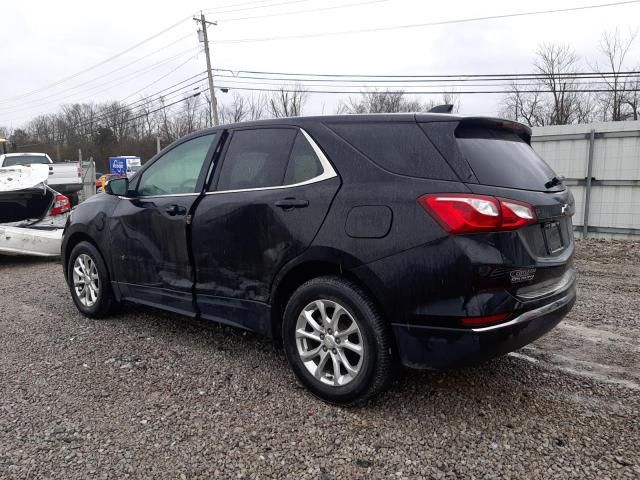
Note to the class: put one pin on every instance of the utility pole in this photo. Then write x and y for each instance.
(214, 103)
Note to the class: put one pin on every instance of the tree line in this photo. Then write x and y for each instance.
(558, 96)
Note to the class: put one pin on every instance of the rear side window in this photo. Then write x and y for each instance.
(401, 148)
(256, 158)
(303, 162)
(501, 158)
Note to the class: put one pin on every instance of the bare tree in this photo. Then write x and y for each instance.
(615, 48)
(256, 106)
(386, 101)
(557, 65)
(632, 97)
(287, 102)
(235, 112)
(554, 96)
(525, 107)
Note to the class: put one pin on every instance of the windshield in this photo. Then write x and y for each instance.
(25, 160)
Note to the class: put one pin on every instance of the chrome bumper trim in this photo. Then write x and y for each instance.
(530, 315)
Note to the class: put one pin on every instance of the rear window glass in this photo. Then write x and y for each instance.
(401, 148)
(24, 160)
(501, 158)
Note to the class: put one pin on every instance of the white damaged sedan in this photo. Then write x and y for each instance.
(32, 214)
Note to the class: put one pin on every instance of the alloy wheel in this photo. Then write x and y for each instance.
(329, 342)
(86, 281)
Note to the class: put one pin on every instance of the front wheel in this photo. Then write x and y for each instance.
(88, 281)
(336, 341)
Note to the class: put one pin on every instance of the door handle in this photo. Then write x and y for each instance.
(174, 210)
(289, 203)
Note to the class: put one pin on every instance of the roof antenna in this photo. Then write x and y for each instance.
(447, 108)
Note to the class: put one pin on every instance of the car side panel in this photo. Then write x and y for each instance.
(241, 240)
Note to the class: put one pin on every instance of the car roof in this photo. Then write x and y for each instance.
(366, 117)
(359, 118)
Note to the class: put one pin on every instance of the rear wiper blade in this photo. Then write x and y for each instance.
(554, 181)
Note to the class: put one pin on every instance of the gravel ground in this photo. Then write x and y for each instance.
(150, 395)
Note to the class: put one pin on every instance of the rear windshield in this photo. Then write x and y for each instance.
(501, 158)
(24, 160)
(401, 148)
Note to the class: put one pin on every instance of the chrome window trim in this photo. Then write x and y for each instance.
(161, 196)
(327, 172)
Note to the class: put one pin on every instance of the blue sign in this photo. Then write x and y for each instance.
(123, 164)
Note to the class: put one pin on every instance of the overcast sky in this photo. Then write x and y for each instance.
(46, 41)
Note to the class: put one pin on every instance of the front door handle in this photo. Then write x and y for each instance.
(289, 203)
(174, 210)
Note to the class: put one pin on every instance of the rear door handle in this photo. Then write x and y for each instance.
(289, 203)
(174, 210)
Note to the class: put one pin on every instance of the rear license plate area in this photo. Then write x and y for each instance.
(552, 237)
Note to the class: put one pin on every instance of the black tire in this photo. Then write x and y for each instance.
(105, 303)
(377, 362)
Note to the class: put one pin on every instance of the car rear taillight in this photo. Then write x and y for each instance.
(466, 213)
(61, 205)
(484, 321)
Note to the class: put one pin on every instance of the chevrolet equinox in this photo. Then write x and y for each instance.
(359, 242)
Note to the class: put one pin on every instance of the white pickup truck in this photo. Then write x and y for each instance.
(64, 178)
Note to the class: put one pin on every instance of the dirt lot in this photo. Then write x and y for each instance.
(149, 395)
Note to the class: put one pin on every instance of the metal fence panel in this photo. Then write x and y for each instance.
(609, 198)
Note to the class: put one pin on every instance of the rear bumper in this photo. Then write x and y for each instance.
(443, 347)
(30, 241)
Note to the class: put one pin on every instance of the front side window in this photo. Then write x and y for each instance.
(177, 170)
(256, 158)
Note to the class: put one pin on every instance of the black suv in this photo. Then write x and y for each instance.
(358, 241)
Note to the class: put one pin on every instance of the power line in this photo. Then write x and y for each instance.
(594, 76)
(151, 100)
(470, 92)
(107, 73)
(405, 86)
(129, 120)
(216, 12)
(428, 24)
(161, 78)
(233, 5)
(99, 64)
(297, 12)
(110, 82)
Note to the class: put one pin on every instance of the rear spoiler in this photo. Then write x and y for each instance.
(446, 108)
(518, 128)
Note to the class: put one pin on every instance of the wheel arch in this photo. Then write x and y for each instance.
(295, 275)
(69, 244)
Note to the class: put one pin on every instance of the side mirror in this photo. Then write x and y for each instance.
(117, 186)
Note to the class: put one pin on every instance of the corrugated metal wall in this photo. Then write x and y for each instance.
(614, 196)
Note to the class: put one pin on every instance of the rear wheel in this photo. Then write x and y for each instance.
(88, 281)
(336, 341)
